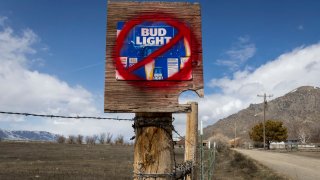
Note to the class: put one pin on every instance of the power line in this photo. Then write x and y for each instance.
(65, 117)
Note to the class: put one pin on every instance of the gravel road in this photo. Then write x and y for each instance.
(292, 166)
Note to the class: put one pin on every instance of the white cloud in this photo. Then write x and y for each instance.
(26, 90)
(290, 70)
(238, 54)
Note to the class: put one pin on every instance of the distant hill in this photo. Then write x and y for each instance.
(299, 110)
(27, 135)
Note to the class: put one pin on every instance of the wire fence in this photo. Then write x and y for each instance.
(66, 117)
(181, 170)
(77, 117)
(80, 117)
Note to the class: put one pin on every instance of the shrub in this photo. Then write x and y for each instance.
(71, 139)
(109, 138)
(90, 140)
(222, 142)
(243, 163)
(80, 139)
(60, 139)
(95, 138)
(119, 140)
(102, 138)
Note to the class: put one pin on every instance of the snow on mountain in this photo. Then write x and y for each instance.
(27, 135)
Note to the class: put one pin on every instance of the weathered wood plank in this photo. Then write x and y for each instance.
(123, 96)
(191, 141)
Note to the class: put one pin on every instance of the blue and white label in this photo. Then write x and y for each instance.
(146, 38)
(152, 36)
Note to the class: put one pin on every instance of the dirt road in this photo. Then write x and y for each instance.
(292, 166)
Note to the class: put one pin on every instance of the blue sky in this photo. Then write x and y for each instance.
(244, 43)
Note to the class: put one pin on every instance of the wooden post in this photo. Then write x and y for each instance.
(191, 140)
(153, 148)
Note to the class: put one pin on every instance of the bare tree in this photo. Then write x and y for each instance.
(102, 138)
(71, 139)
(87, 139)
(222, 142)
(90, 140)
(79, 139)
(61, 139)
(95, 138)
(304, 134)
(119, 140)
(109, 138)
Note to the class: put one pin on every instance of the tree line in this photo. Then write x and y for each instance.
(103, 138)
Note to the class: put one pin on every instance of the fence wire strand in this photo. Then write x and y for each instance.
(66, 117)
(82, 117)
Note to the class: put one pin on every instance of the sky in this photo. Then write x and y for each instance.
(52, 56)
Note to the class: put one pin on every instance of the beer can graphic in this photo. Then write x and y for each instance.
(183, 62)
(150, 66)
(157, 74)
(133, 61)
(149, 70)
(124, 61)
(173, 66)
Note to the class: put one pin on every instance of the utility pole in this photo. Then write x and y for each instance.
(264, 116)
(235, 134)
(191, 140)
(201, 152)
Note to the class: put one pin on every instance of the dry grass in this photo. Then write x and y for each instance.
(311, 154)
(66, 161)
(233, 165)
(72, 161)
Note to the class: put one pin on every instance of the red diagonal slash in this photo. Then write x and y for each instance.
(156, 53)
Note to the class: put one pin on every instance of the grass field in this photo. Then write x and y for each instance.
(64, 161)
(19, 160)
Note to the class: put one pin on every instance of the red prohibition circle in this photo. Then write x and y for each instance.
(183, 32)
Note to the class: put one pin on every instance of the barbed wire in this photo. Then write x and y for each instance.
(82, 117)
(181, 170)
(175, 131)
(66, 117)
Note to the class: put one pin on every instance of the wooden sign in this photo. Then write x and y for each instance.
(153, 54)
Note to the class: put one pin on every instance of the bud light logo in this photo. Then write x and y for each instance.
(152, 36)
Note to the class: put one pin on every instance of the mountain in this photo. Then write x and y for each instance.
(299, 110)
(27, 135)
